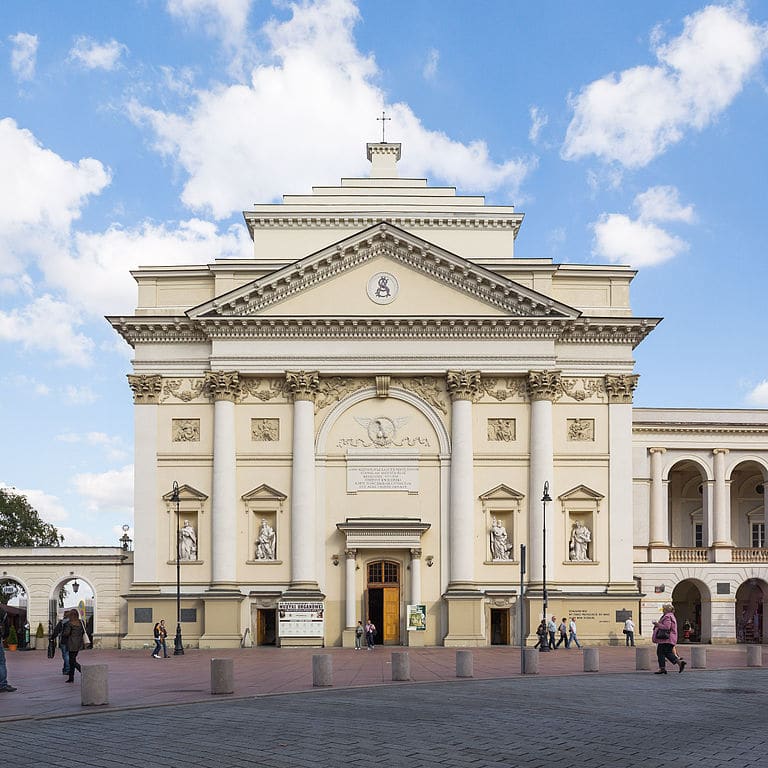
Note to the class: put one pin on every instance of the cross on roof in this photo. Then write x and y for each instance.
(383, 119)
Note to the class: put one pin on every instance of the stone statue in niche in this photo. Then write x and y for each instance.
(186, 430)
(187, 542)
(265, 544)
(578, 548)
(500, 546)
(502, 430)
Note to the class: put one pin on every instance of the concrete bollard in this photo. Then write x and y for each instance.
(401, 666)
(464, 664)
(531, 661)
(322, 670)
(644, 657)
(222, 676)
(699, 657)
(591, 660)
(94, 688)
(754, 656)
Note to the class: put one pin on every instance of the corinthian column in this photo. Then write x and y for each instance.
(415, 577)
(658, 522)
(543, 388)
(146, 391)
(463, 387)
(620, 391)
(722, 506)
(350, 607)
(223, 388)
(303, 385)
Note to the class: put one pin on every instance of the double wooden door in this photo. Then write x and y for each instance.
(384, 600)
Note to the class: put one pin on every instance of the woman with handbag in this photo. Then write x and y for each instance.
(665, 637)
(74, 636)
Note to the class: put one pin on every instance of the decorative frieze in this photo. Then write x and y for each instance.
(621, 388)
(185, 430)
(146, 388)
(504, 389)
(175, 388)
(463, 385)
(265, 430)
(222, 385)
(582, 389)
(334, 389)
(262, 389)
(544, 385)
(502, 430)
(428, 388)
(581, 429)
(303, 385)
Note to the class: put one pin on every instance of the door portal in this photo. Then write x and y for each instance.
(265, 626)
(384, 600)
(499, 626)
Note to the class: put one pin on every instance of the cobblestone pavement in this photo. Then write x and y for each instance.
(705, 718)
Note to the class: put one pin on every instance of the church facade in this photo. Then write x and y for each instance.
(368, 419)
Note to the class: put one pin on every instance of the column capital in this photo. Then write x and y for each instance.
(416, 553)
(544, 385)
(222, 385)
(146, 388)
(657, 450)
(463, 385)
(303, 385)
(720, 451)
(620, 389)
(350, 554)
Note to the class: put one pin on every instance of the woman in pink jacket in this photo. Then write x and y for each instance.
(665, 637)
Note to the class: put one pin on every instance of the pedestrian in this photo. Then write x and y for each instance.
(359, 632)
(551, 629)
(665, 638)
(163, 636)
(74, 635)
(572, 636)
(57, 634)
(158, 641)
(629, 633)
(370, 633)
(541, 633)
(5, 629)
(563, 630)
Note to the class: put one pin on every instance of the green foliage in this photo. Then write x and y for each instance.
(20, 523)
(12, 636)
(40, 631)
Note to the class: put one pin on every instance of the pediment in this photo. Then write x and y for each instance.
(581, 493)
(186, 493)
(336, 281)
(264, 493)
(502, 493)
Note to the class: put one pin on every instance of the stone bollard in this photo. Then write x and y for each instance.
(644, 657)
(94, 688)
(699, 658)
(322, 670)
(531, 661)
(222, 676)
(591, 660)
(401, 666)
(464, 664)
(754, 656)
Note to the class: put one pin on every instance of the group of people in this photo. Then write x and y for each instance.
(72, 638)
(368, 631)
(548, 630)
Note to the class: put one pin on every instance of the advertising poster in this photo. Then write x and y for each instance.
(297, 619)
(417, 618)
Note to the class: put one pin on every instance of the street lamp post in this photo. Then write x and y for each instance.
(178, 643)
(544, 499)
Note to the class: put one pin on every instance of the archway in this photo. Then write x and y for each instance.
(687, 601)
(383, 600)
(73, 592)
(687, 505)
(750, 597)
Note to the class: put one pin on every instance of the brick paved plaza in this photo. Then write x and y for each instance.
(716, 717)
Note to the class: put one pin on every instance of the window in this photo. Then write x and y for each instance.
(758, 535)
(698, 535)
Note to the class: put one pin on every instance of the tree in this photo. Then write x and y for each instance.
(21, 525)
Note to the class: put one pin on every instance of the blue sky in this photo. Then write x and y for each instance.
(136, 133)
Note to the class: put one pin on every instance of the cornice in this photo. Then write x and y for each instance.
(700, 429)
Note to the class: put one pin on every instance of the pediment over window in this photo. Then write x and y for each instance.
(186, 493)
(502, 493)
(581, 493)
(383, 532)
(264, 493)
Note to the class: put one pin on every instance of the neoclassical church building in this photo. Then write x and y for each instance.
(369, 417)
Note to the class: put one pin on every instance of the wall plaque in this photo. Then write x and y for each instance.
(382, 472)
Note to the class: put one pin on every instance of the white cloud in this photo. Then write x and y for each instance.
(252, 141)
(430, 67)
(79, 395)
(634, 116)
(759, 395)
(48, 325)
(663, 204)
(93, 55)
(538, 121)
(23, 55)
(107, 492)
(111, 446)
(50, 508)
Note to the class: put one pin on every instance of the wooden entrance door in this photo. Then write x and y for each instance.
(384, 600)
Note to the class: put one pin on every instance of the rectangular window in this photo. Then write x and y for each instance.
(758, 535)
(698, 535)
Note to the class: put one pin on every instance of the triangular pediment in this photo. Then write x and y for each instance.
(264, 493)
(502, 493)
(428, 279)
(186, 493)
(581, 493)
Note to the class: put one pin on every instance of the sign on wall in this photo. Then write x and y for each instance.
(417, 618)
(297, 619)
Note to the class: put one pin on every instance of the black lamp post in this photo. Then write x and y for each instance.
(544, 499)
(125, 539)
(178, 643)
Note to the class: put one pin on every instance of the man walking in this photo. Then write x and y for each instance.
(551, 629)
(57, 630)
(572, 637)
(4, 631)
(629, 632)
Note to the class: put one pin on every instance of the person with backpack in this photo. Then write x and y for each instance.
(75, 637)
(5, 628)
(57, 633)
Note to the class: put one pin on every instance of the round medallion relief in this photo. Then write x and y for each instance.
(383, 288)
